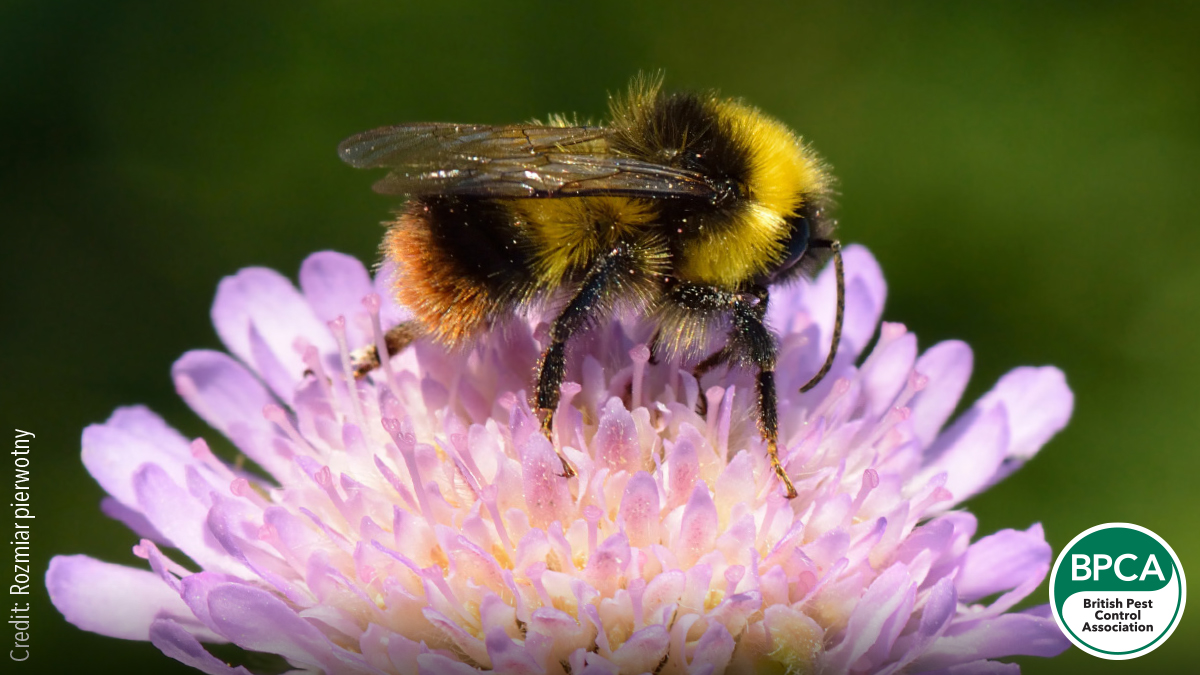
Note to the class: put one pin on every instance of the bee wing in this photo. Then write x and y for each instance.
(512, 161)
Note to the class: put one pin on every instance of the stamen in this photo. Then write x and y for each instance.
(713, 396)
(338, 326)
(887, 424)
(562, 413)
(240, 487)
(202, 453)
(637, 589)
(373, 302)
(774, 501)
(312, 359)
(279, 417)
(938, 494)
(436, 576)
(560, 545)
(463, 462)
(534, 573)
(841, 387)
(323, 477)
(406, 442)
(733, 574)
(170, 571)
(592, 514)
(724, 421)
(394, 480)
(640, 355)
(489, 495)
(870, 481)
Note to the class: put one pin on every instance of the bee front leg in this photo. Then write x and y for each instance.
(752, 341)
(750, 344)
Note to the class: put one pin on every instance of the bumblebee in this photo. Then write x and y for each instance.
(683, 208)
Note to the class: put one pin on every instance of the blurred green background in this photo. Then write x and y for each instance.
(1026, 174)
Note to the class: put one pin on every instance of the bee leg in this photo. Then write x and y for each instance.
(591, 300)
(654, 347)
(366, 359)
(754, 342)
(717, 358)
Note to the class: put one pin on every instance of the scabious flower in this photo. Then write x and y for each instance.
(415, 521)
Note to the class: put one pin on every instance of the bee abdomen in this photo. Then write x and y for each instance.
(464, 263)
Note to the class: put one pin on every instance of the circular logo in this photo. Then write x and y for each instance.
(1117, 591)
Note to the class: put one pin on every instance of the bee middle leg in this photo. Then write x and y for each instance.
(605, 281)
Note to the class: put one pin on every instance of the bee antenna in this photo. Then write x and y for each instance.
(840, 271)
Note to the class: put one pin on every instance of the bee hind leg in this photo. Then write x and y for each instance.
(712, 361)
(396, 340)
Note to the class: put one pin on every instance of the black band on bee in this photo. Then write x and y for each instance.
(480, 240)
(683, 130)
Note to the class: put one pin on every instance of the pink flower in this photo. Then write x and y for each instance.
(415, 521)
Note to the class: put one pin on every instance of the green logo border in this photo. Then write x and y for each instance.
(1153, 644)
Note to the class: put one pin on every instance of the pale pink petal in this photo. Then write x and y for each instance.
(639, 512)
(94, 596)
(546, 494)
(508, 658)
(179, 644)
(334, 285)
(887, 372)
(442, 665)
(257, 620)
(872, 618)
(264, 301)
(947, 365)
(1001, 561)
(230, 399)
(643, 651)
(698, 528)
(390, 312)
(975, 446)
(1006, 635)
(113, 451)
(133, 519)
(181, 517)
(1039, 404)
(714, 648)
